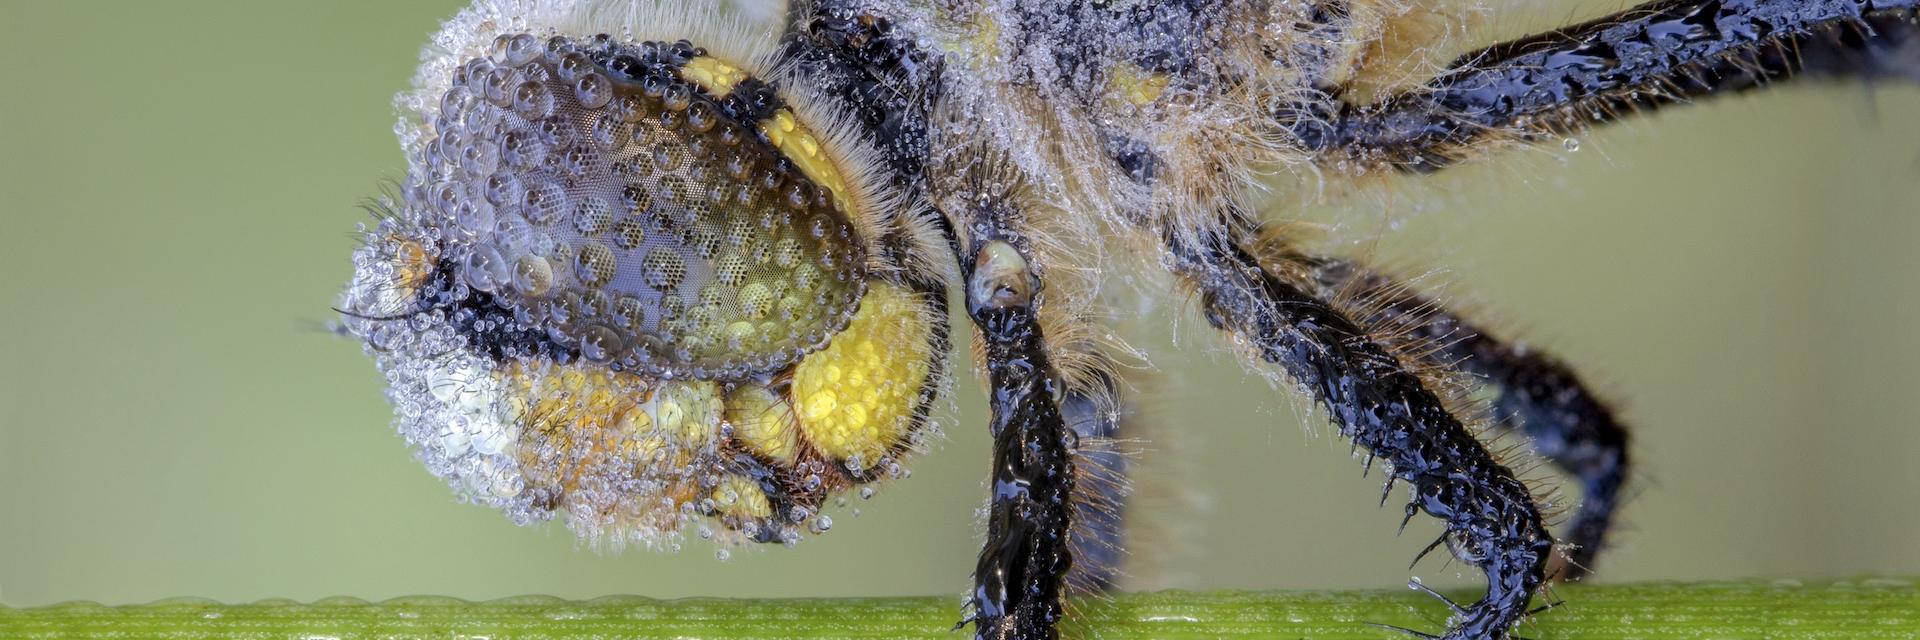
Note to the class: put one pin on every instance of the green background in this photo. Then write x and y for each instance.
(178, 182)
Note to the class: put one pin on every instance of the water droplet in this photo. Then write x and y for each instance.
(599, 344)
(545, 203)
(595, 264)
(474, 216)
(573, 64)
(592, 216)
(593, 90)
(522, 49)
(606, 132)
(533, 101)
(700, 118)
(500, 85)
(1571, 144)
(532, 275)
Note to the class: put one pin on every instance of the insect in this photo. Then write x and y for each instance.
(653, 268)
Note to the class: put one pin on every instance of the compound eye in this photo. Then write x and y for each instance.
(605, 196)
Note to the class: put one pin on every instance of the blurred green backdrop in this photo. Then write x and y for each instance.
(179, 180)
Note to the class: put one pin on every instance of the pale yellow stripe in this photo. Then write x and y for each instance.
(713, 75)
(798, 144)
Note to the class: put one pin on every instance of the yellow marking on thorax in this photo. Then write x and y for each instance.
(1136, 86)
(713, 75)
(856, 398)
(794, 141)
(969, 37)
(986, 37)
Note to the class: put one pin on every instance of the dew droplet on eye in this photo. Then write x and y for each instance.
(503, 188)
(700, 118)
(455, 100)
(522, 49)
(485, 269)
(500, 85)
(677, 97)
(572, 64)
(478, 158)
(532, 276)
(592, 216)
(578, 160)
(592, 90)
(476, 217)
(532, 100)
(610, 135)
(599, 343)
(544, 203)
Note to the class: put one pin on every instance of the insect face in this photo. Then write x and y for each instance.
(624, 285)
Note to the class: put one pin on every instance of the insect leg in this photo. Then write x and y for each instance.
(1634, 61)
(1385, 406)
(1564, 420)
(1017, 583)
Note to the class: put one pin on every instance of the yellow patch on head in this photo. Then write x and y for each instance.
(687, 410)
(739, 497)
(411, 264)
(856, 397)
(713, 75)
(794, 141)
(585, 427)
(574, 420)
(764, 423)
(573, 401)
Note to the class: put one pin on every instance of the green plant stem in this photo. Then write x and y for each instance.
(1873, 608)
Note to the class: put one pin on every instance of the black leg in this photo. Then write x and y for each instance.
(1564, 420)
(1637, 60)
(1018, 581)
(1385, 406)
